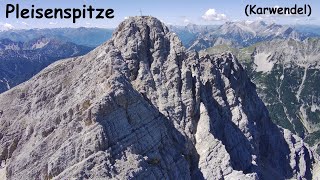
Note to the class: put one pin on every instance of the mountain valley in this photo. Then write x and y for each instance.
(19, 61)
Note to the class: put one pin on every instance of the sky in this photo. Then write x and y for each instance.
(173, 12)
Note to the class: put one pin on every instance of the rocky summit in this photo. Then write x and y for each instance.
(141, 106)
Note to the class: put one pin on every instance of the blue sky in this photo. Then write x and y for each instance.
(177, 12)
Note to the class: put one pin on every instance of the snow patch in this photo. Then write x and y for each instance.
(246, 28)
(248, 22)
(39, 45)
(3, 172)
(263, 62)
(7, 83)
(282, 77)
(302, 83)
(304, 119)
(316, 171)
(314, 108)
(303, 113)
(12, 47)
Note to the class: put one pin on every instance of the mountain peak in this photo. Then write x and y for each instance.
(142, 40)
(141, 23)
(141, 106)
(140, 32)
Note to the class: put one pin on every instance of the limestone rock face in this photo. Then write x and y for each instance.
(141, 106)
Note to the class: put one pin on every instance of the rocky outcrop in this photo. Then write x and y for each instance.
(141, 106)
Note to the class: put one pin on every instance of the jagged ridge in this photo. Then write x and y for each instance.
(141, 106)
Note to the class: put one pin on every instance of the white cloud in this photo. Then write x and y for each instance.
(7, 26)
(24, 23)
(260, 18)
(186, 21)
(249, 22)
(212, 15)
(53, 23)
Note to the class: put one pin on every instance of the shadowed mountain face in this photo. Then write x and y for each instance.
(141, 106)
(286, 73)
(20, 61)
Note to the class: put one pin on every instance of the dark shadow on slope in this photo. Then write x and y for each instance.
(160, 146)
(228, 133)
(268, 142)
(272, 147)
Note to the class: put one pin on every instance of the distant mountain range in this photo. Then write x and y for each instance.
(310, 30)
(91, 37)
(23, 53)
(237, 34)
(19, 61)
(193, 36)
(190, 33)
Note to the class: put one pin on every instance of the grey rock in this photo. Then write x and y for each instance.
(142, 107)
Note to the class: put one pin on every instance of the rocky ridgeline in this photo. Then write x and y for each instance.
(141, 106)
(235, 34)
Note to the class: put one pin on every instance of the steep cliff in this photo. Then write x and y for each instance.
(141, 106)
